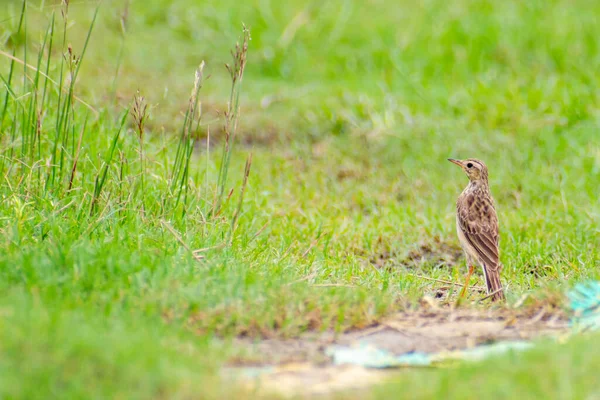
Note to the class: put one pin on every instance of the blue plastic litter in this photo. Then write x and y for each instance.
(585, 304)
(484, 351)
(369, 356)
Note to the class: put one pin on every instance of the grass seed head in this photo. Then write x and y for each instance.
(198, 78)
(239, 56)
(139, 113)
(65, 8)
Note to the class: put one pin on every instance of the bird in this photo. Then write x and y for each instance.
(477, 227)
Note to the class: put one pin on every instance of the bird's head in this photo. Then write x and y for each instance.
(475, 169)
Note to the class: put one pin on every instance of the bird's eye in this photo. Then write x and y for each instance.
(470, 165)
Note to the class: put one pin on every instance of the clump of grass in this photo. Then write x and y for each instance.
(236, 72)
(187, 141)
(185, 146)
(64, 128)
(67, 148)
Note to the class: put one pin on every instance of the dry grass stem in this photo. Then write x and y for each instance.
(176, 235)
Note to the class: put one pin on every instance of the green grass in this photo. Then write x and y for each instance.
(349, 112)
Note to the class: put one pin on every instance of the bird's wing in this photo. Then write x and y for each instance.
(479, 223)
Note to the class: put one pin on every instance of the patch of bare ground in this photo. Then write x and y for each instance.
(430, 331)
(434, 252)
(301, 367)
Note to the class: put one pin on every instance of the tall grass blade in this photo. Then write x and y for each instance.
(238, 211)
(185, 146)
(12, 64)
(236, 71)
(100, 180)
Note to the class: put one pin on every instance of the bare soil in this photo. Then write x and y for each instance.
(434, 253)
(300, 366)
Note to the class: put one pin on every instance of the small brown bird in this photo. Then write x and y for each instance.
(477, 226)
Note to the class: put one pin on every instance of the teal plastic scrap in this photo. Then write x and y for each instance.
(415, 359)
(484, 351)
(585, 304)
(368, 356)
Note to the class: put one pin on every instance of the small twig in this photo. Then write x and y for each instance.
(384, 325)
(63, 208)
(538, 316)
(257, 234)
(180, 240)
(446, 282)
(312, 244)
(219, 246)
(307, 277)
(286, 253)
(491, 294)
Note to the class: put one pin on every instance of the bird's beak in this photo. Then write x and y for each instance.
(457, 162)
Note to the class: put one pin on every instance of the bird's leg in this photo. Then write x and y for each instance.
(463, 292)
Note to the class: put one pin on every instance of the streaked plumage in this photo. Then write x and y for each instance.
(477, 225)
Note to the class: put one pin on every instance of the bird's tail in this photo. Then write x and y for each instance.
(492, 281)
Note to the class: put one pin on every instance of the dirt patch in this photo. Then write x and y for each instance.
(423, 331)
(301, 366)
(437, 331)
(434, 253)
(311, 347)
